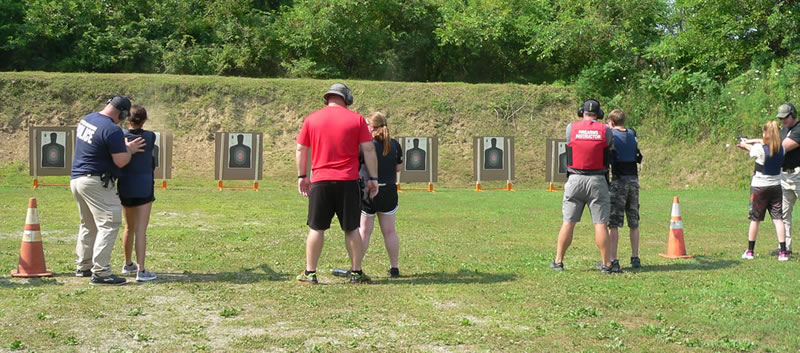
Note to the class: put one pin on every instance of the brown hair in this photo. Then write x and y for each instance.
(618, 117)
(380, 132)
(138, 114)
(772, 137)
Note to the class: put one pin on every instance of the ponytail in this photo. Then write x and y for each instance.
(380, 131)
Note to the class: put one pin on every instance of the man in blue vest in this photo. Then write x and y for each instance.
(588, 155)
(624, 188)
(100, 150)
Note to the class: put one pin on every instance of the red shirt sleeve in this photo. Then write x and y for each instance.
(302, 137)
(364, 135)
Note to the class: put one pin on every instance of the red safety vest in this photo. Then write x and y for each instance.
(588, 143)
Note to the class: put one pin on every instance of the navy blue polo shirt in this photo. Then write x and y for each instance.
(136, 180)
(97, 137)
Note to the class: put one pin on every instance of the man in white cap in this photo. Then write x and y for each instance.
(335, 134)
(790, 176)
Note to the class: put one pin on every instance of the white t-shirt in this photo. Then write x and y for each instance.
(761, 180)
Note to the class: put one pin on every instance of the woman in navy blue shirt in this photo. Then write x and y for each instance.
(135, 187)
(390, 160)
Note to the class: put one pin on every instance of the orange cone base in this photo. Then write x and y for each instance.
(676, 256)
(15, 273)
(31, 261)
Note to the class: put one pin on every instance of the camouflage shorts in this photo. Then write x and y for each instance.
(624, 192)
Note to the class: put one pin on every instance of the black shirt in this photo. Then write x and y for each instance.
(792, 158)
(387, 165)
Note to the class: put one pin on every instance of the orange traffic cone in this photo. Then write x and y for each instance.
(676, 249)
(31, 252)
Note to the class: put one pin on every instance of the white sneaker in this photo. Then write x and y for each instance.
(129, 268)
(783, 256)
(144, 276)
(748, 254)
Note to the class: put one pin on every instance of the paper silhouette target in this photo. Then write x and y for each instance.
(50, 150)
(239, 147)
(238, 155)
(54, 151)
(156, 149)
(493, 152)
(493, 158)
(420, 159)
(556, 160)
(162, 155)
(416, 153)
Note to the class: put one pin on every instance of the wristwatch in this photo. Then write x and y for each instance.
(301, 176)
(373, 178)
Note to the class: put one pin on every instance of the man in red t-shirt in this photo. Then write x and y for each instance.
(335, 134)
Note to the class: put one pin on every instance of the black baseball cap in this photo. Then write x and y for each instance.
(592, 106)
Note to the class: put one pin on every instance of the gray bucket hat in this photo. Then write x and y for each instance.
(341, 90)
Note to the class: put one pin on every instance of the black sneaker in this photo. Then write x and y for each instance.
(636, 262)
(614, 268)
(394, 272)
(111, 280)
(777, 252)
(83, 273)
(310, 278)
(557, 266)
(359, 278)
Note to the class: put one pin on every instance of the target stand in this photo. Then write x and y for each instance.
(493, 160)
(238, 157)
(254, 187)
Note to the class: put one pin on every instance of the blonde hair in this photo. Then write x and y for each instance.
(380, 131)
(772, 137)
(618, 117)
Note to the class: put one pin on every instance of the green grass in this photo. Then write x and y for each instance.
(474, 268)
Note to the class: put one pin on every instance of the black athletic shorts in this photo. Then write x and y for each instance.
(340, 197)
(385, 201)
(135, 201)
(766, 198)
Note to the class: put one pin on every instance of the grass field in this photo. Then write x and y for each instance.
(474, 268)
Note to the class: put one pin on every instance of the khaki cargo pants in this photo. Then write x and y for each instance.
(101, 218)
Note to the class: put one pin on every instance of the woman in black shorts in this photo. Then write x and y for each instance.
(390, 160)
(135, 187)
(765, 188)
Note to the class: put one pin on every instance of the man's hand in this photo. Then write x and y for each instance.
(372, 187)
(303, 186)
(137, 145)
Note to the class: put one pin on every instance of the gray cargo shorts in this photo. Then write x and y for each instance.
(582, 190)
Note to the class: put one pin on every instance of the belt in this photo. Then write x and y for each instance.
(92, 174)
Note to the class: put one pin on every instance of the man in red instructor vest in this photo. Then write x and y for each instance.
(334, 134)
(588, 152)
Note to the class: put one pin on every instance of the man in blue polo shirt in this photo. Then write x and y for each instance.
(100, 150)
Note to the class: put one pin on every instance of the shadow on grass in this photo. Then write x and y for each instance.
(698, 263)
(6, 282)
(259, 273)
(460, 277)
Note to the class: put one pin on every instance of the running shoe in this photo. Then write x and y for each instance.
(130, 268)
(783, 256)
(748, 254)
(145, 276)
(359, 278)
(310, 278)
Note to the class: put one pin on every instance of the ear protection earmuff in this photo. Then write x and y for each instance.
(600, 115)
(119, 103)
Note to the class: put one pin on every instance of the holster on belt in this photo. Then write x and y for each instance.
(106, 177)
